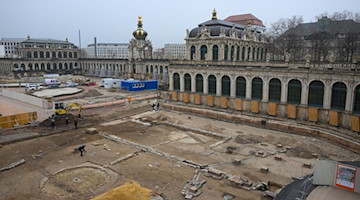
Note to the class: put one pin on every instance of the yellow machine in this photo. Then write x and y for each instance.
(61, 110)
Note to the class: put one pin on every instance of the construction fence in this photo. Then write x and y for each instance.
(17, 120)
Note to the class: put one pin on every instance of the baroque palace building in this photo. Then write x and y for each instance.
(228, 66)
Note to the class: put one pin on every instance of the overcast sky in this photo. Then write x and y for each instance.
(166, 21)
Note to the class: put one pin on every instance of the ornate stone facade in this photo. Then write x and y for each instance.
(326, 93)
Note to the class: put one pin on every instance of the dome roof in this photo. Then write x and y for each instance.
(140, 34)
(215, 26)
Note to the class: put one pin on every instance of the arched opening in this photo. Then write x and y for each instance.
(28, 54)
(256, 89)
(212, 84)
(232, 52)
(42, 66)
(47, 54)
(275, 90)
(176, 82)
(316, 94)
(36, 67)
(240, 87)
(187, 80)
(66, 66)
(215, 53)
(48, 66)
(203, 51)
(238, 53)
(60, 66)
(23, 67)
(41, 54)
(356, 109)
(54, 66)
(226, 52)
(199, 83)
(225, 86)
(294, 92)
(243, 54)
(59, 55)
(192, 52)
(35, 54)
(338, 97)
(30, 66)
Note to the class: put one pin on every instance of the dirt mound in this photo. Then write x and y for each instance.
(92, 93)
(59, 120)
(242, 139)
(306, 151)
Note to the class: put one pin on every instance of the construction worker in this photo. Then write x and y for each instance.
(82, 149)
(75, 123)
(67, 121)
(53, 123)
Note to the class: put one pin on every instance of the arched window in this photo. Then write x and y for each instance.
(256, 89)
(357, 100)
(53, 54)
(203, 50)
(28, 54)
(187, 80)
(47, 54)
(243, 54)
(215, 53)
(225, 86)
(226, 52)
(59, 55)
(151, 69)
(48, 66)
(275, 90)
(176, 80)
(75, 54)
(147, 69)
(294, 92)
(238, 53)
(23, 66)
(66, 66)
(338, 97)
(232, 52)
(60, 66)
(199, 83)
(65, 54)
(35, 54)
(30, 66)
(161, 69)
(16, 66)
(36, 66)
(316, 94)
(54, 66)
(192, 52)
(71, 66)
(42, 66)
(70, 55)
(212, 84)
(41, 54)
(240, 87)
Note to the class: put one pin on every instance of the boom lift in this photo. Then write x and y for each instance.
(61, 110)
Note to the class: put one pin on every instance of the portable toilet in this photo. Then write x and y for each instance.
(117, 83)
(108, 83)
(102, 84)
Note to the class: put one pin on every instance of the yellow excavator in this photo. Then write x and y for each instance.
(61, 110)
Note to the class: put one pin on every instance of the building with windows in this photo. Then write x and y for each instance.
(245, 19)
(38, 56)
(228, 66)
(10, 46)
(324, 40)
(107, 50)
(174, 51)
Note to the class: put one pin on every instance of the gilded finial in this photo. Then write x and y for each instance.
(249, 23)
(28, 37)
(214, 14)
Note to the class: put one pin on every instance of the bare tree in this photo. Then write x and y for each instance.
(285, 43)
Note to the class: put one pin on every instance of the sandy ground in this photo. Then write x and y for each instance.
(53, 170)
